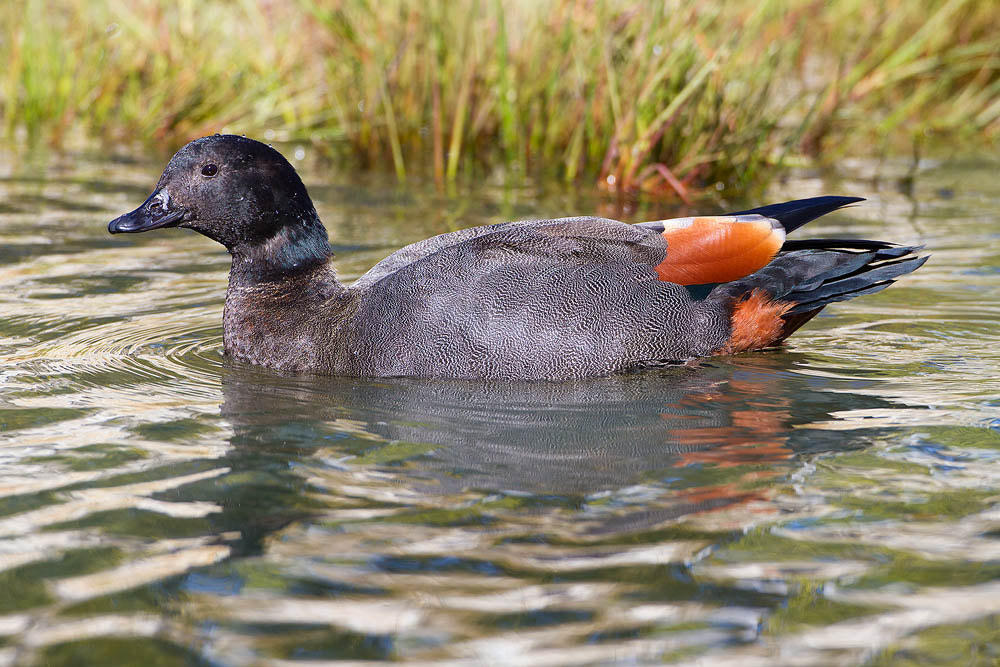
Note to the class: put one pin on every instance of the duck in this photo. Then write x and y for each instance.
(529, 300)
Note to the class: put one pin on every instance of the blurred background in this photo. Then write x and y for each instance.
(665, 97)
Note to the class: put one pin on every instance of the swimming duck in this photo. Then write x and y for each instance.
(535, 299)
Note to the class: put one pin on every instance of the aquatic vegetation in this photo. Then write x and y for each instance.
(666, 97)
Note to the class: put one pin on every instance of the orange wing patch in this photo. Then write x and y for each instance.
(718, 249)
(757, 322)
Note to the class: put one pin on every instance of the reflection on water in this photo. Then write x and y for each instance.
(553, 438)
(831, 503)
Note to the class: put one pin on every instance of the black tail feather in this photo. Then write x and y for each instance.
(849, 264)
(791, 322)
(817, 305)
(794, 214)
(868, 279)
(835, 244)
(812, 279)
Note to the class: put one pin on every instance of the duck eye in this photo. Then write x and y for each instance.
(209, 170)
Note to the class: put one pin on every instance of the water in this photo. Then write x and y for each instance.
(836, 502)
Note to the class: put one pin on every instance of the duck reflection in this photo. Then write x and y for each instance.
(677, 426)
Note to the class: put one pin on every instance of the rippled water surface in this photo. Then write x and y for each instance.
(835, 502)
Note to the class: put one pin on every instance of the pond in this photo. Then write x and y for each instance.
(833, 502)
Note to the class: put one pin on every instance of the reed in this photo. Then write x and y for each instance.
(665, 97)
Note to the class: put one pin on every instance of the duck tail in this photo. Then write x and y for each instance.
(769, 305)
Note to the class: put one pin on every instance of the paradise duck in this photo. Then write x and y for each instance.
(535, 299)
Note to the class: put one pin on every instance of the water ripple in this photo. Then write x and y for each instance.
(780, 506)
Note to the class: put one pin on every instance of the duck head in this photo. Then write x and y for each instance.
(242, 194)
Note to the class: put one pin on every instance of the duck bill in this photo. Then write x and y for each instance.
(155, 212)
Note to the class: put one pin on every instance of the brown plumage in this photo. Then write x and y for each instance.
(719, 248)
(757, 322)
(537, 299)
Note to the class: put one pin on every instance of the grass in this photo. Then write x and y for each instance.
(664, 97)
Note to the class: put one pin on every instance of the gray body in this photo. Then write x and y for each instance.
(550, 299)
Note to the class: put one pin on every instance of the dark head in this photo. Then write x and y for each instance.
(243, 194)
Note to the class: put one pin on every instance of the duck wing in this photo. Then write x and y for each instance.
(579, 240)
(695, 250)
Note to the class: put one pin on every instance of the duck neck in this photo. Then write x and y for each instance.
(293, 251)
(283, 301)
